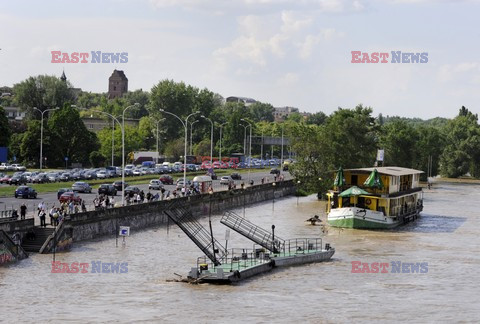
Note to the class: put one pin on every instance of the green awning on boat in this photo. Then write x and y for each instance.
(353, 191)
(374, 180)
(339, 178)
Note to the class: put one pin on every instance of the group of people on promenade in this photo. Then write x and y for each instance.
(56, 214)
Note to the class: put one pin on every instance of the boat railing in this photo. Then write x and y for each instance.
(302, 245)
(237, 259)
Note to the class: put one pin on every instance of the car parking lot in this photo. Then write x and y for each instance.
(52, 198)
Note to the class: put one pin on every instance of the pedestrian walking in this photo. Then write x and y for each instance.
(50, 213)
(42, 215)
(23, 211)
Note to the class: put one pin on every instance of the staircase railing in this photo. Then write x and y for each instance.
(181, 215)
(253, 232)
(52, 238)
(16, 250)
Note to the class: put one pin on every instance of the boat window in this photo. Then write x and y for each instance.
(354, 179)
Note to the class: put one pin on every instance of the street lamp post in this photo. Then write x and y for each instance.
(249, 148)
(298, 182)
(211, 138)
(115, 119)
(281, 157)
(185, 125)
(158, 123)
(41, 133)
(244, 139)
(220, 152)
(123, 150)
(261, 150)
(273, 201)
(191, 134)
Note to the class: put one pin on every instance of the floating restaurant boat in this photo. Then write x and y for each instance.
(374, 198)
(222, 266)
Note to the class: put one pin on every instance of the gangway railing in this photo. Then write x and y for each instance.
(183, 218)
(253, 232)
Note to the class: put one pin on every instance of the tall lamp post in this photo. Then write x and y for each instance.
(191, 134)
(211, 138)
(158, 123)
(244, 139)
(185, 125)
(41, 133)
(281, 158)
(123, 150)
(220, 152)
(249, 148)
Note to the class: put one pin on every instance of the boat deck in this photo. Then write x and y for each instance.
(242, 263)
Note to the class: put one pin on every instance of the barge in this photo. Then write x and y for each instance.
(375, 198)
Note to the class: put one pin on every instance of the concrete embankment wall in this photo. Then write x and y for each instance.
(84, 226)
(20, 227)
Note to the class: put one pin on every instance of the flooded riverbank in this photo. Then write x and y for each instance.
(446, 237)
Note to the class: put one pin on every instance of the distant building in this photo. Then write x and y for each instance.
(14, 113)
(75, 91)
(95, 124)
(245, 100)
(117, 84)
(281, 113)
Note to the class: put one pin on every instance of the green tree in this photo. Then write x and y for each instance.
(175, 148)
(69, 138)
(43, 92)
(259, 111)
(30, 143)
(313, 157)
(352, 136)
(4, 128)
(97, 159)
(318, 118)
(399, 140)
(462, 153)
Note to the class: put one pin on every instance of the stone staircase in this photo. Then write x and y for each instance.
(41, 235)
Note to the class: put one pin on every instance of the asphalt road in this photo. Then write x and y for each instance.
(50, 199)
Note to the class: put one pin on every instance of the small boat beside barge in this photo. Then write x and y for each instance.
(388, 197)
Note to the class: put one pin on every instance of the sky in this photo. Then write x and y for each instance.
(294, 53)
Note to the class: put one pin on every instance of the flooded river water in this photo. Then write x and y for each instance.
(446, 237)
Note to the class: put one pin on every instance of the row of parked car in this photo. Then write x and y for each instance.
(11, 167)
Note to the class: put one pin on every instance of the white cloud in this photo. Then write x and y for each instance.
(288, 79)
(466, 70)
(311, 41)
(263, 38)
(327, 6)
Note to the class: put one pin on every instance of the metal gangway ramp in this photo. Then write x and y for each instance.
(251, 231)
(183, 218)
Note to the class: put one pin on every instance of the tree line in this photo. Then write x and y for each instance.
(321, 143)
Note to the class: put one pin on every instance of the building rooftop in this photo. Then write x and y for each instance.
(389, 170)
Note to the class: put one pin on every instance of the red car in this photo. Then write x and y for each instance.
(206, 165)
(166, 179)
(5, 179)
(70, 196)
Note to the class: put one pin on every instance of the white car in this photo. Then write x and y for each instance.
(155, 185)
(225, 180)
(6, 167)
(18, 167)
(102, 174)
(137, 172)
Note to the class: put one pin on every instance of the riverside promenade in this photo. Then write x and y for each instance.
(106, 222)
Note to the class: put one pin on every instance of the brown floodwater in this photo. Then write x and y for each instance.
(446, 238)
